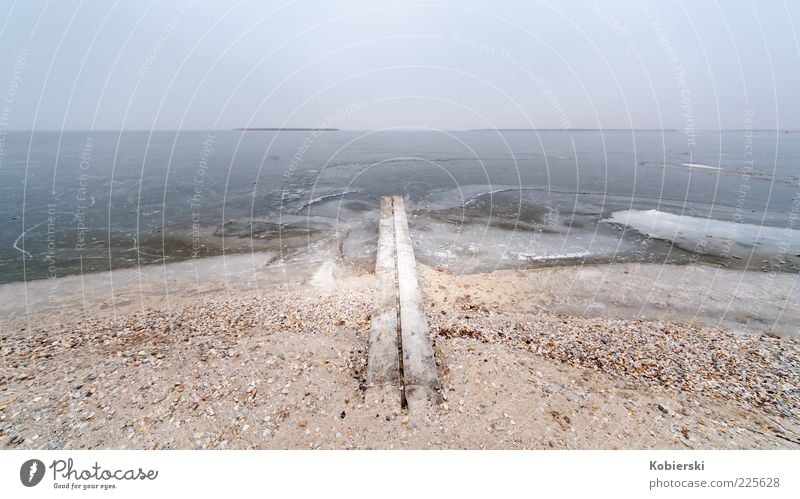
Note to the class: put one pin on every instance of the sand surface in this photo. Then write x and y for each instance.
(275, 357)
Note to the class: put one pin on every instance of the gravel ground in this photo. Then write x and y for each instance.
(758, 372)
(286, 370)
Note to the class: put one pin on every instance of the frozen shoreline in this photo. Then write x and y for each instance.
(736, 300)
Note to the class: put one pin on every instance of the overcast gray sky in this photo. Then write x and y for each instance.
(197, 64)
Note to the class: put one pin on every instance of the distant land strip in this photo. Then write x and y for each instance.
(279, 129)
(627, 130)
(286, 129)
(573, 130)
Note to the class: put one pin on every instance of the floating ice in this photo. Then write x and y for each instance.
(554, 256)
(701, 166)
(706, 235)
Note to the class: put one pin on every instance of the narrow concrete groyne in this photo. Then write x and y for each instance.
(399, 318)
(384, 360)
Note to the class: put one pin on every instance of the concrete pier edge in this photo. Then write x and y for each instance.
(383, 367)
(398, 313)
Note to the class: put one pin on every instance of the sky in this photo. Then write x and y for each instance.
(202, 64)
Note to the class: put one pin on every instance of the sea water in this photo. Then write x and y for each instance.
(77, 202)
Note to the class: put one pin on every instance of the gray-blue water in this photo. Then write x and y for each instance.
(479, 200)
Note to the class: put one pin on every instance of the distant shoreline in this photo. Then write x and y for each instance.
(259, 129)
(286, 129)
(573, 130)
(622, 130)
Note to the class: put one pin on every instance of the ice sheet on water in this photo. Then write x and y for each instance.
(481, 247)
(700, 166)
(706, 235)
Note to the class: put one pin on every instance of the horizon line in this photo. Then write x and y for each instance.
(407, 128)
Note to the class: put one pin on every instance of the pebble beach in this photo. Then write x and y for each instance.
(285, 368)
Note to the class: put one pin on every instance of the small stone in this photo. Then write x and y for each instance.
(662, 409)
(302, 423)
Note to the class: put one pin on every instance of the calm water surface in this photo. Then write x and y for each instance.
(90, 201)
